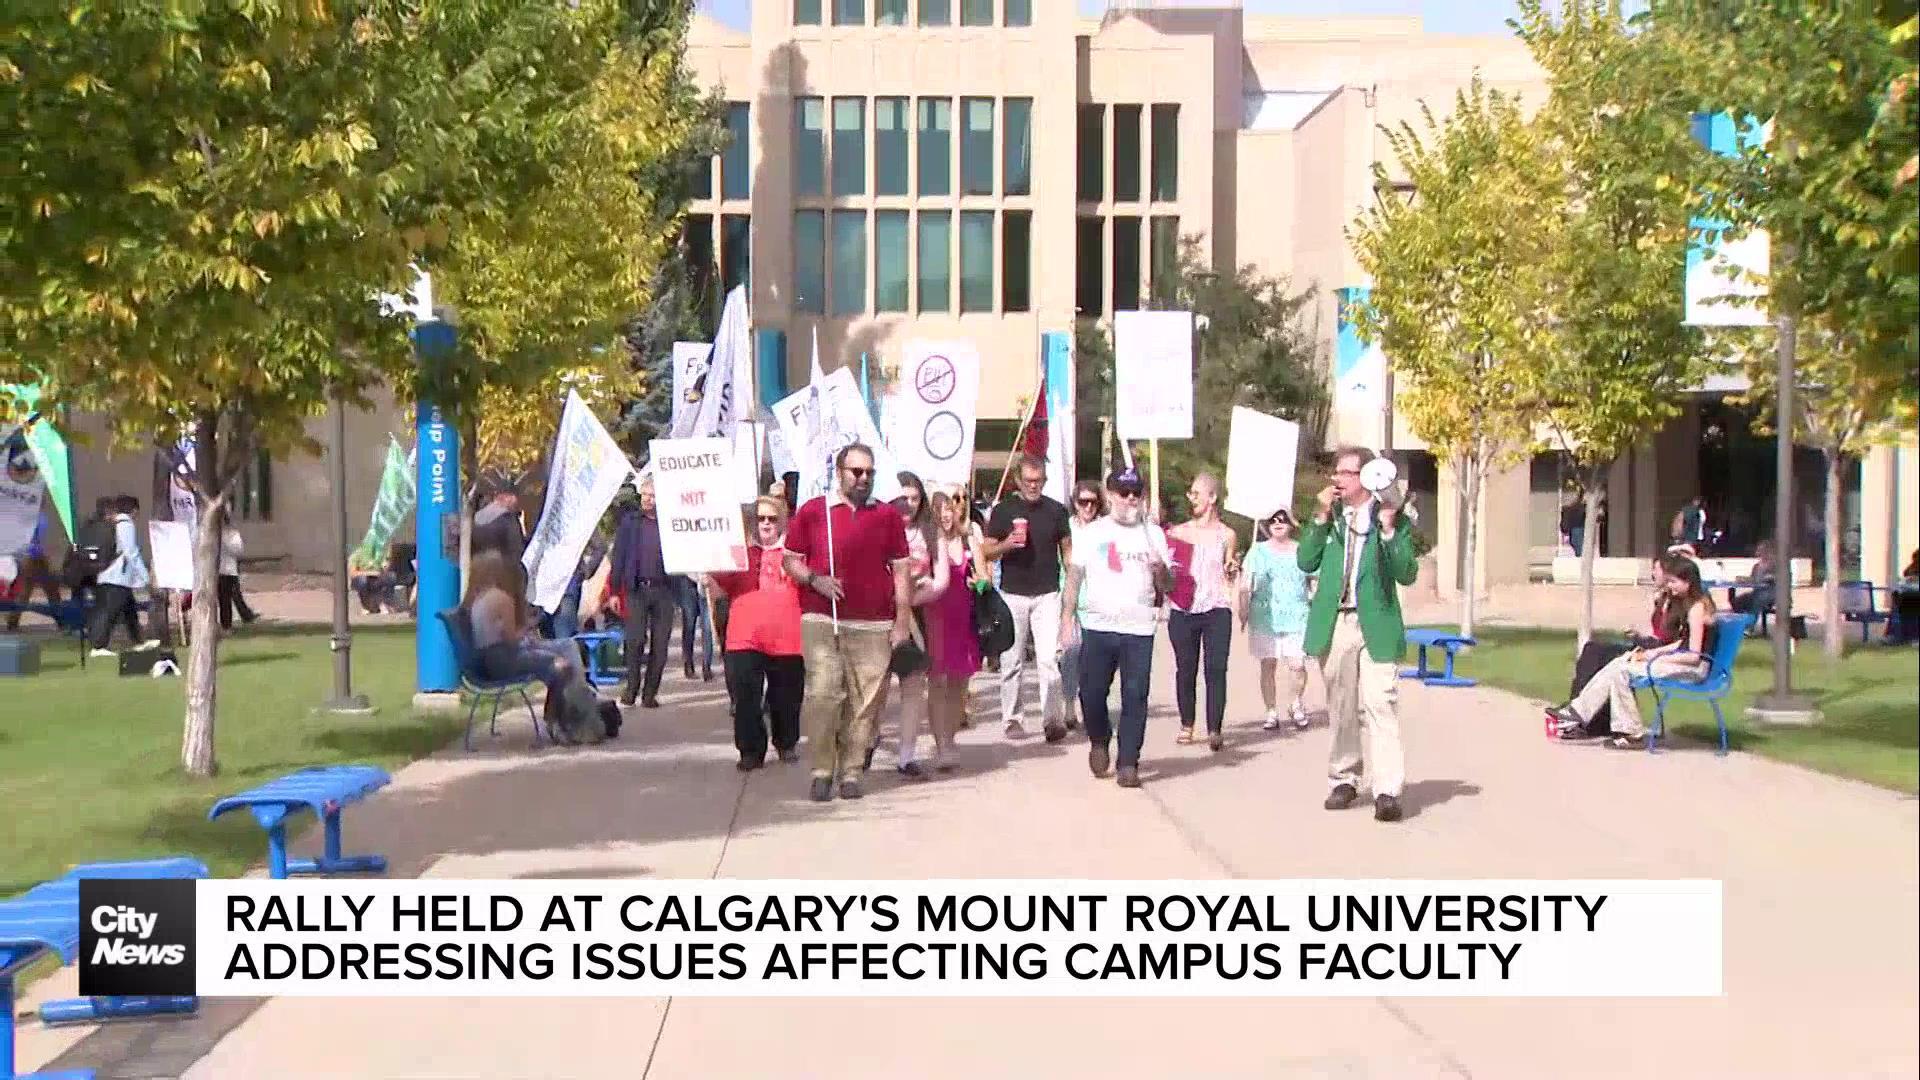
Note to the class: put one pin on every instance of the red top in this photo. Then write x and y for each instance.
(765, 613)
(866, 544)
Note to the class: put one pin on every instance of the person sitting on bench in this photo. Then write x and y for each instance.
(507, 647)
(1688, 628)
(1758, 600)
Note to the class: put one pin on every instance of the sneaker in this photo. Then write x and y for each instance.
(1301, 721)
(1055, 731)
(1341, 797)
(790, 755)
(850, 789)
(1129, 776)
(150, 643)
(1099, 761)
(1015, 731)
(102, 654)
(822, 789)
(1272, 722)
(1386, 808)
(912, 771)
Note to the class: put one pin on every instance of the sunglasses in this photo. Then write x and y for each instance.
(1086, 502)
(858, 474)
(767, 519)
(1128, 493)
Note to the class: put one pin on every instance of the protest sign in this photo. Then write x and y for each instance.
(1262, 452)
(696, 492)
(932, 408)
(691, 359)
(172, 544)
(1153, 361)
(588, 469)
(818, 420)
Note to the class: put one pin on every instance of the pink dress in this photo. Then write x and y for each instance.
(953, 651)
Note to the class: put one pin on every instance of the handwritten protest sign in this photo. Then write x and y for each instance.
(694, 483)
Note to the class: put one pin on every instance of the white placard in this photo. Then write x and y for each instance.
(818, 420)
(1262, 452)
(932, 408)
(1153, 360)
(172, 544)
(588, 469)
(691, 359)
(695, 490)
(748, 456)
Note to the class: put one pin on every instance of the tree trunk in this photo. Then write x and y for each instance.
(196, 742)
(1469, 602)
(1589, 542)
(1830, 591)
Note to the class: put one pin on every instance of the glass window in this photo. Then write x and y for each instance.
(890, 260)
(1019, 12)
(891, 13)
(976, 146)
(849, 12)
(701, 185)
(936, 260)
(1126, 154)
(736, 250)
(810, 261)
(1091, 152)
(890, 146)
(976, 12)
(1126, 263)
(1166, 153)
(849, 146)
(1016, 154)
(936, 12)
(253, 495)
(976, 261)
(1163, 254)
(735, 172)
(806, 12)
(936, 146)
(849, 262)
(1090, 267)
(1016, 261)
(701, 268)
(809, 146)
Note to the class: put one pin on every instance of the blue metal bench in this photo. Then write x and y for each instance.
(594, 643)
(326, 791)
(478, 689)
(1451, 643)
(1728, 633)
(46, 919)
(1858, 604)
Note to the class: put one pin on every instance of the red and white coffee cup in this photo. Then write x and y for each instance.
(1019, 536)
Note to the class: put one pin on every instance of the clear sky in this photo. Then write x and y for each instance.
(1442, 16)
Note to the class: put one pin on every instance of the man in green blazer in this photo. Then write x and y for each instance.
(1362, 556)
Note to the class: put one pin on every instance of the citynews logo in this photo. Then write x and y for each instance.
(136, 938)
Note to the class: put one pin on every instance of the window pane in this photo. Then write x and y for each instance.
(976, 261)
(976, 12)
(976, 146)
(702, 185)
(263, 489)
(735, 180)
(810, 261)
(1019, 12)
(849, 146)
(849, 262)
(1164, 255)
(936, 260)
(806, 12)
(1016, 277)
(936, 12)
(1166, 153)
(1126, 153)
(701, 271)
(849, 12)
(1092, 152)
(1016, 165)
(809, 146)
(1090, 267)
(890, 260)
(891, 13)
(890, 146)
(736, 250)
(936, 146)
(1126, 263)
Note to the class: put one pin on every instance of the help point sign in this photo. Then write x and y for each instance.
(696, 491)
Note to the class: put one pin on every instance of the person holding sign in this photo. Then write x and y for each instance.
(1355, 630)
(1030, 537)
(1208, 555)
(849, 556)
(762, 641)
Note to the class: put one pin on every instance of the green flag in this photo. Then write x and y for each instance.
(390, 507)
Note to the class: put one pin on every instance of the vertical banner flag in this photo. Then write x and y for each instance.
(1359, 368)
(1153, 360)
(1726, 279)
(390, 507)
(695, 488)
(715, 412)
(818, 420)
(1262, 452)
(931, 410)
(1056, 354)
(691, 361)
(588, 469)
(747, 456)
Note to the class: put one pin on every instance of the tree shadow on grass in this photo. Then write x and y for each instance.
(238, 659)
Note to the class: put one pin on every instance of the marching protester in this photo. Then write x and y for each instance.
(928, 581)
(1202, 618)
(691, 598)
(1355, 630)
(231, 548)
(849, 555)
(507, 646)
(124, 572)
(1273, 611)
(1114, 577)
(762, 643)
(640, 574)
(1087, 508)
(1029, 537)
(953, 650)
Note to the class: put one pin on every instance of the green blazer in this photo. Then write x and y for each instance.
(1323, 551)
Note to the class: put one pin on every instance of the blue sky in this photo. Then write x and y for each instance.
(1442, 16)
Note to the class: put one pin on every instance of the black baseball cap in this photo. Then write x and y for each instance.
(1125, 480)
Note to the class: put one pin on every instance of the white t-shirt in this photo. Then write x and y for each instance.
(1116, 585)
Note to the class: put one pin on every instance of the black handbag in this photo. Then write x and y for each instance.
(992, 622)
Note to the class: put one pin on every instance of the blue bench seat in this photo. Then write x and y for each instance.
(1451, 643)
(325, 790)
(1728, 633)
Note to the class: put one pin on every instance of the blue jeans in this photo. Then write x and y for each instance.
(693, 616)
(1102, 654)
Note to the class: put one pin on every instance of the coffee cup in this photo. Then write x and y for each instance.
(1020, 531)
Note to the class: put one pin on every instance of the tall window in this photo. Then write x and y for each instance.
(849, 146)
(1016, 261)
(890, 260)
(253, 493)
(702, 181)
(976, 261)
(890, 146)
(1166, 153)
(891, 13)
(809, 146)
(849, 12)
(936, 12)
(735, 173)
(1091, 152)
(1163, 255)
(1090, 267)
(1019, 12)
(736, 250)
(936, 145)
(806, 12)
(976, 146)
(702, 267)
(936, 259)
(849, 282)
(1016, 154)
(1126, 263)
(976, 12)
(1126, 154)
(810, 261)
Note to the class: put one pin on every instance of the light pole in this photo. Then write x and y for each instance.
(344, 700)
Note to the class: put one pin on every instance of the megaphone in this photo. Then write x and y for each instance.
(1379, 475)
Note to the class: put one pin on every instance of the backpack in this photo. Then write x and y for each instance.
(95, 549)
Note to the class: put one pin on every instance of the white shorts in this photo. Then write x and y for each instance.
(1277, 646)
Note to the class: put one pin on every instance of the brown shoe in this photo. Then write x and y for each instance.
(1216, 742)
(1099, 761)
(1128, 777)
(1055, 731)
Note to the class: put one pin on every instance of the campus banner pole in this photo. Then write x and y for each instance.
(1153, 469)
(344, 700)
(436, 518)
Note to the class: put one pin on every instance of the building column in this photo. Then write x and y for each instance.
(1500, 556)
(1889, 511)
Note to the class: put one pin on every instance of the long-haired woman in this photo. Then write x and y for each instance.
(1687, 631)
(928, 582)
(953, 651)
(1273, 611)
(507, 646)
(765, 673)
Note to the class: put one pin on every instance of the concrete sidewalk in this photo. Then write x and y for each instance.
(1822, 880)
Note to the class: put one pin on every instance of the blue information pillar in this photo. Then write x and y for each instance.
(437, 521)
(770, 366)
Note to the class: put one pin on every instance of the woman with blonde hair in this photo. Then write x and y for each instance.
(507, 646)
(953, 652)
(765, 673)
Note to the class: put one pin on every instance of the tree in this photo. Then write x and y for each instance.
(1460, 301)
(1619, 356)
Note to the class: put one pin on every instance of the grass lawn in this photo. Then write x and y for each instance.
(1869, 702)
(90, 761)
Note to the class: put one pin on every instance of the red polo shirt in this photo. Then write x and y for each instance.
(866, 544)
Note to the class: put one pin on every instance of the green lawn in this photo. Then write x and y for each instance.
(1869, 701)
(90, 761)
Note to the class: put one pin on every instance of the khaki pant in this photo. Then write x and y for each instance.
(1361, 704)
(1613, 686)
(844, 678)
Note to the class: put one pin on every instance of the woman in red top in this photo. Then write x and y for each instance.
(763, 643)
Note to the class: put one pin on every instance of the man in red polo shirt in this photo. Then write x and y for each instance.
(854, 609)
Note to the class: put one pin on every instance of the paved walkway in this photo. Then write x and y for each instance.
(1822, 881)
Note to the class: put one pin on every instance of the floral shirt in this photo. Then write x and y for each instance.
(1279, 590)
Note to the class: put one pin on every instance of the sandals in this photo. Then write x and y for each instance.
(1185, 738)
(1628, 742)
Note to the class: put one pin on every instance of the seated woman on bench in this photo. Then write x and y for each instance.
(507, 647)
(1686, 630)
